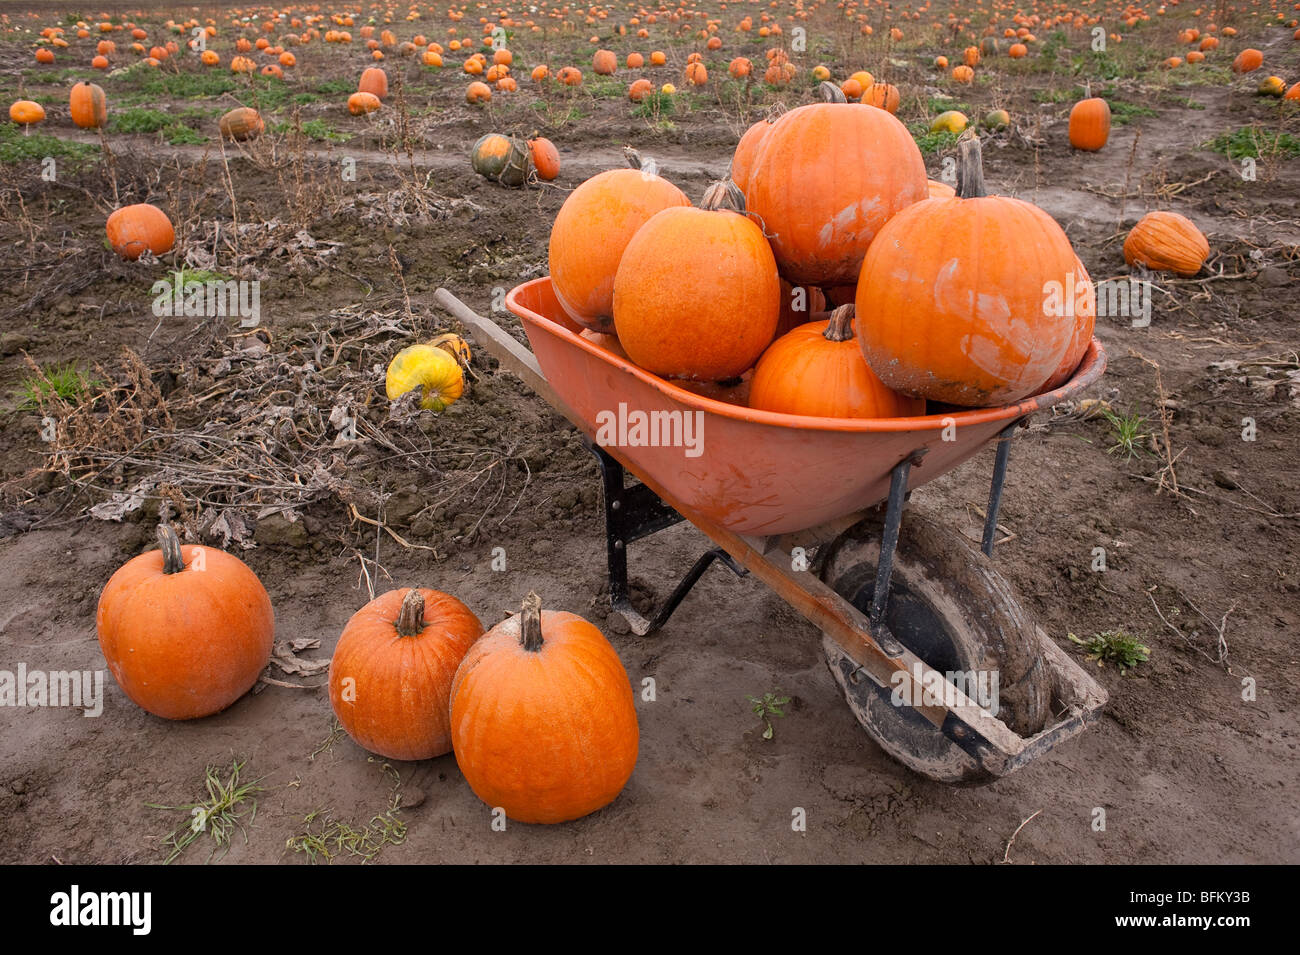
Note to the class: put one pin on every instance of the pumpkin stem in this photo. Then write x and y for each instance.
(410, 619)
(634, 160)
(828, 92)
(530, 623)
(173, 562)
(723, 194)
(970, 167)
(840, 327)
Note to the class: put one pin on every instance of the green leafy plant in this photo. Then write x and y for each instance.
(17, 146)
(1127, 431)
(1122, 649)
(219, 815)
(766, 707)
(1253, 142)
(66, 382)
(655, 105)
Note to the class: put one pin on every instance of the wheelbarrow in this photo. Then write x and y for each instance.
(914, 618)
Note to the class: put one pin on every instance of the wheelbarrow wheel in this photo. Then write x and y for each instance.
(951, 607)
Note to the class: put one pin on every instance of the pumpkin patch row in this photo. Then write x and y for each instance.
(538, 710)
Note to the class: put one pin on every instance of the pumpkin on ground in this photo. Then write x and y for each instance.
(543, 722)
(545, 157)
(818, 369)
(1248, 61)
(361, 103)
(24, 112)
(87, 105)
(241, 123)
(185, 630)
(433, 368)
(696, 294)
(1089, 127)
(823, 206)
(592, 229)
(135, 229)
(502, 159)
(390, 678)
(374, 80)
(952, 304)
(1166, 242)
(950, 121)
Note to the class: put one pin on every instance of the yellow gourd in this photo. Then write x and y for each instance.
(429, 367)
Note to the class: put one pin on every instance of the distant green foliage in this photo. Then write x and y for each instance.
(15, 146)
(1252, 142)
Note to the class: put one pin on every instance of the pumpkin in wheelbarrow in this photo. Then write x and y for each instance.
(592, 229)
(696, 294)
(955, 296)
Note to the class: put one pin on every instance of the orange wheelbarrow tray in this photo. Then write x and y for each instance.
(789, 499)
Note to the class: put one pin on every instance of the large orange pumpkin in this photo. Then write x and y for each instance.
(1248, 61)
(592, 229)
(87, 105)
(742, 160)
(136, 228)
(1089, 127)
(390, 678)
(374, 80)
(953, 300)
(1085, 320)
(696, 294)
(826, 178)
(543, 722)
(818, 370)
(185, 630)
(1166, 242)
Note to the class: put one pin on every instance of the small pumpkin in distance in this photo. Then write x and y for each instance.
(996, 119)
(133, 230)
(185, 630)
(545, 157)
(361, 103)
(240, 124)
(818, 369)
(1248, 61)
(87, 105)
(950, 121)
(429, 367)
(1089, 126)
(1166, 242)
(543, 722)
(375, 81)
(1273, 86)
(696, 294)
(24, 112)
(390, 677)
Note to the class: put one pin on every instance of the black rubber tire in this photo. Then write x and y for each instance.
(949, 605)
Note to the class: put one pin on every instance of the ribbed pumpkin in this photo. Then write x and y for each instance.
(818, 370)
(87, 105)
(374, 80)
(696, 294)
(825, 179)
(952, 301)
(1166, 242)
(604, 63)
(543, 722)
(185, 630)
(503, 159)
(241, 123)
(390, 678)
(133, 229)
(1084, 298)
(1089, 127)
(592, 229)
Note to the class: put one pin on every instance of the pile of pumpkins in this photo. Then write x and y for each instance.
(538, 710)
(825, 281)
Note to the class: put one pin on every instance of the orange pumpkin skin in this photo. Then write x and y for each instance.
(361, 103)
(592, 229)
(87, 105)
(823, 209)
(546, 158)
(374, 80)
(1085, 320)
(697, 294)
(391, 689)
(608, 342)
(806, 373)
(25, 112)
(799, 305)
(241, 123)
(548, 735)
(742, 160)
(1166, 242)
(953, 300)
(940, 190)
(187, 644)
(1248, 61)
(1089, 127)
(604, 63)
(882, 95)
(133, 229)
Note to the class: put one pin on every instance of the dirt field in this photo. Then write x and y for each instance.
(229, 429)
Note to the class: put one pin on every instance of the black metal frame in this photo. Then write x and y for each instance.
(633, 512)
